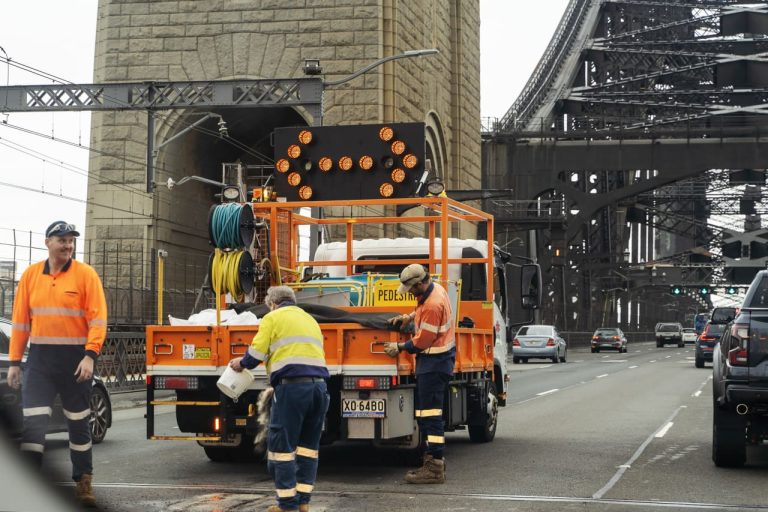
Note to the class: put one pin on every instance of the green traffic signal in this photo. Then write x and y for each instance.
(704, 291)
(731, 290)
(676, 290)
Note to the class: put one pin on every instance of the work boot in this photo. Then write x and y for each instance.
(432, 472)
(276, 508)
(424, 461)
(84, 491)
(304, 507)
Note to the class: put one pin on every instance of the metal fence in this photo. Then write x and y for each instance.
(122, 362)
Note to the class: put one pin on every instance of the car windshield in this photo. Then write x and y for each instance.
(668, 328)
(689, 330)
(535, 330)
(715, 329)
(606, 332)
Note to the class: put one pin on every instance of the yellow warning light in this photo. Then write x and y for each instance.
(283, 165)
(345, 163)
(398, 175)
(294, 179)
(386, 190)
(410, 161)
(365, 162)
(386, 133)
(305, 192)
(305, 136)
(398, 147)
(325, 164)
(294, 151)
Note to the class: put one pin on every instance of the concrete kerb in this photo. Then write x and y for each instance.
(132, 399)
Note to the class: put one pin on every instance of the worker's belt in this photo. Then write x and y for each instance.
(297, 380)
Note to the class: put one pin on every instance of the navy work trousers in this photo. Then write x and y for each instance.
(293, 443)
(49, 371)
(430, 395)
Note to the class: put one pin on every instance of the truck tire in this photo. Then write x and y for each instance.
(242, 453)
(485, 433)
(729, 439)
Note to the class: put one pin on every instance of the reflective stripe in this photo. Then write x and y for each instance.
(57, 311)
(281, 456)
(79, 447)
(74, 416)
(57, 340)
(32, 447)
(295, 339)
(439, 350)
(306, 452)
(37, 411)
(261, 356)
(428, 327)
(97, 322)
(445, 327)
(286, 493)
(436, 439)
(426, 413)
(20, 327)
(309, 361)
(305, 488)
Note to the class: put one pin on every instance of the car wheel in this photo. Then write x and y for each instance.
(729, 439)
(681, 345)
(565, 356)
(699, 362)
(485, 433)
(659, 344)
(597, 350)
(593, 350)
(240, 453)
(555, 358)
(101, 415)
(524, 360)
(516, 360)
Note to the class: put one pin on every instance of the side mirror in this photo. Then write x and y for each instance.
(530, 286)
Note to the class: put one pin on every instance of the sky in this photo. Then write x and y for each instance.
(42, 180)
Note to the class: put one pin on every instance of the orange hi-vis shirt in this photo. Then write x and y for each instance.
(67, 308)
(434, 323)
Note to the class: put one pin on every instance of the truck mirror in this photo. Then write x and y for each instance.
(530, 286)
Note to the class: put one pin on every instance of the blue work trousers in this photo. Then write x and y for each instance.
(295, 427)
(430, 395)
(49, 371)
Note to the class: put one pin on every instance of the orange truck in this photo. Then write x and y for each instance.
(372, 395)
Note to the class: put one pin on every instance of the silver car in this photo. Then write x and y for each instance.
(539, 341)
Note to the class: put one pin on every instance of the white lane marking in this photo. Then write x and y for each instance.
(615, 361)
(638, 351)
(623, 468)
(652, 361)
(661, 433)
(701, 387)
(606, 356)
(548, 392)
(633, 366)
(697, 394)
(601, 376)
(667, 357)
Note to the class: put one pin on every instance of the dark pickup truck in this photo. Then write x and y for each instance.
(740, 378)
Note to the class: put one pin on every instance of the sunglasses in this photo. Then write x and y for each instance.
(61, 226)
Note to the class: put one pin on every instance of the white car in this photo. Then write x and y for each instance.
(689, 335)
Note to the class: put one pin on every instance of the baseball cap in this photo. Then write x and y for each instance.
(411, 275)
(61, 228)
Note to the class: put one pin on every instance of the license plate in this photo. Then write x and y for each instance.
(354, 408)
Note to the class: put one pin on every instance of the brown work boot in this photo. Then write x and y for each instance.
(432, 472)
(276, 508)
(304, 507)
(84, 491)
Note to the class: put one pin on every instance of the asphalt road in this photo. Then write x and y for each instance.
(603, 432)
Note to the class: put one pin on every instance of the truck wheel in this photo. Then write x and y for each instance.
(241, 453)
(729, 439)
(485, 433)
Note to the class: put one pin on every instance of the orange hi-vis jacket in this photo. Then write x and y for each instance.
(64, 309)
(435, 339)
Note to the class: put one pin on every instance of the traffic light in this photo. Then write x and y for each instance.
(731, 290)
(676, 289)
(704, 291)
(349, 162)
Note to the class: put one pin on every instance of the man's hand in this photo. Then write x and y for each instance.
(14, 377)
(235, 364)
(84, 370)
(401, 321)
(392, 349)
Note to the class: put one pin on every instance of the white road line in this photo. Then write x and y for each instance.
(661, 433)
(548, 392)
(652, 361)
(633, 366)
(697, 394)
(601, 376)
(667, 357)
(623, 468)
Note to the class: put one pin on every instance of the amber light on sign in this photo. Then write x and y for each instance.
(325, 164)
(410, 161)
(398, 147)
(283, 165)
(345, 163)
(305, 136)
(294, 151)
(294, 179)
(365, 162)
(386, 190)
(386, 133)
(305, 192)
(398, 175)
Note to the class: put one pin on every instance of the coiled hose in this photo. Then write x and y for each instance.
(225, 273)
(225, 226)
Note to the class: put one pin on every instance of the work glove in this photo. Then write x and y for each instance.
(391, 349)
(400, 322)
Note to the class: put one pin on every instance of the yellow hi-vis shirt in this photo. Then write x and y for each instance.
(67, 308)
(290, 343)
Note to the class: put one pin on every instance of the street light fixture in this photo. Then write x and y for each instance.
(312, 66)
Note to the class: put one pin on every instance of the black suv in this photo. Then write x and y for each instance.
(740, 377)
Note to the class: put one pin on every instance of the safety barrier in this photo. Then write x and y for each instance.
(122, 364)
